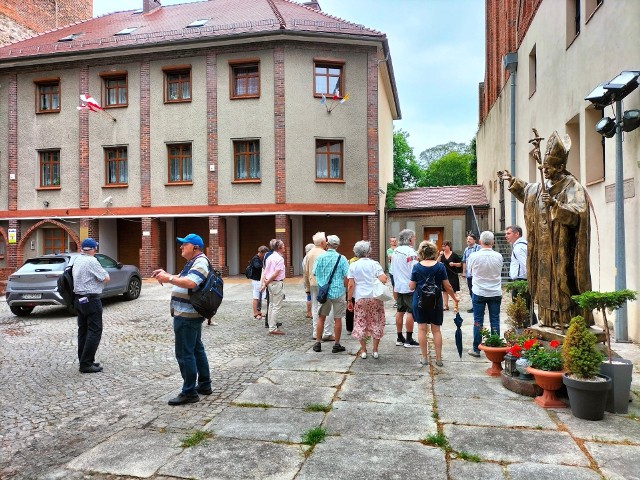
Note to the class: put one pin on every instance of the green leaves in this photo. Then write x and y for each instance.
(591, 300)
(581, 358)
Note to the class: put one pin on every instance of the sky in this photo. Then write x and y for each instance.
(437, 50)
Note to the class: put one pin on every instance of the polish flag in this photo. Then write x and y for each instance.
(89, 103)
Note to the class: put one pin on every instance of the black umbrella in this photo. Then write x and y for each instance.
(458, 322)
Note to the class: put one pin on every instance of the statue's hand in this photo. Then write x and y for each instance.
(505, 175)
(547, 200)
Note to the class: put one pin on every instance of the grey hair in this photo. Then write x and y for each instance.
(318, 238)
(405, 236)
(515, 229)
(308, 247)
(333, 240)
(362, 248)
(272, 243)
(486, 238)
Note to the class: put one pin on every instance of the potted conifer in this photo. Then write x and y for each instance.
(619, 369)
(587, 389)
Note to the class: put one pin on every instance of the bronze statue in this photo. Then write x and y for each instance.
(556, 213)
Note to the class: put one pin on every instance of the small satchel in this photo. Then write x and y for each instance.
(323, 291)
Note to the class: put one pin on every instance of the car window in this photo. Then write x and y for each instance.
(106, 262)
(53, 264)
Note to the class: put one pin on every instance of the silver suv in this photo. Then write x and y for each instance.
(36, 282)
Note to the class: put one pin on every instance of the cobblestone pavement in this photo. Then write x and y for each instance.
(52, 417)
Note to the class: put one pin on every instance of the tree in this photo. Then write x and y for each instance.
(435, 153)
(451, 169)
(406, 171)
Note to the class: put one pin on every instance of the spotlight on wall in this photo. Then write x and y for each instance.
(45, 204)
(630, 120)
(108, 201)
(606, 127)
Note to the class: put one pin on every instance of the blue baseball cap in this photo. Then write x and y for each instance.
(193, 239)
(89, 244)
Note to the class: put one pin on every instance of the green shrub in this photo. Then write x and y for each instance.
(492, 339)
(581, 358)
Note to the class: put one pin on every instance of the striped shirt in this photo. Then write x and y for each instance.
(196, 270)
(324, 266)
(465, 256)
(88, 275)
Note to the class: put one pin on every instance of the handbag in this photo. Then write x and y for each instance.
(381, 291)
(323, 291)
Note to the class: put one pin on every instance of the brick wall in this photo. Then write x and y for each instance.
(43, 15)
(278, 110)
(212, 127)
(83, 154)
(150, 250)
(145, 129)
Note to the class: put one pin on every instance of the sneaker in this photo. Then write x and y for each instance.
(317, 347)
(411, 344)
(375, 355)
(91, 369)
(473, 353)
(470, 310)
(400, 341)
(182, 399)
(337, 348)
(439, 363)
(423, 362)
(204, 390)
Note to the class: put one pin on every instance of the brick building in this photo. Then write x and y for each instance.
(219, 118)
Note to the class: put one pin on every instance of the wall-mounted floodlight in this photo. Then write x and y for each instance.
(606, 127)
(630, 120)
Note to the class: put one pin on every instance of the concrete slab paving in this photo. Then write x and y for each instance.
(133, 452)
(492, 412)
(342, 459)
(314, 362)
(302, 379)
(516, 445)
(536, 471)
(473, 387)
(406, 364)
(464, 470)
(291, 396)
(228, 459)
(474, 368)
(613, 428)
(616, 462)
(398, 421)
(269, 424)
(400, 389)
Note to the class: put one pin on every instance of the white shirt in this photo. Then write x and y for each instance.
(487, 269)
(364, 272)
(403, 259)
(518, 267)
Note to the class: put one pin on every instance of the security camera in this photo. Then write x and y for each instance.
(108, 200)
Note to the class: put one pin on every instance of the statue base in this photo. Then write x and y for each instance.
(548, 333)
(517, 385)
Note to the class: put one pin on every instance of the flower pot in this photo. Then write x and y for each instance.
(587, 397)
(619, 371)
(495, 356)
(549, 382)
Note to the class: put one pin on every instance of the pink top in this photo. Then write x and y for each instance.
(274, 263)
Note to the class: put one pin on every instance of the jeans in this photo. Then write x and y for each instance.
(89, 328)
(478, 316)
(190, 354)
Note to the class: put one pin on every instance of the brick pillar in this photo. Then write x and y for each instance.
(12, 144)
(283, 232)
(373, 226)
(83, 139)
(217, 251)
(14, 254)
(145, 130)
(212, 128)
(279, 123)
(150, 251)
(372, 129)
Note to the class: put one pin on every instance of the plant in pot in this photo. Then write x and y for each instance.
(545, 364)
(517, 312)
(619, 370)
(495, 348)
(586, 389)
(516, 341)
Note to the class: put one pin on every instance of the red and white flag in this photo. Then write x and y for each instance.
(89, 103)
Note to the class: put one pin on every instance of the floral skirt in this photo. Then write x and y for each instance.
(368, 318)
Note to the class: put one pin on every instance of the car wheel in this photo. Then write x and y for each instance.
(133, 289)
(21, 311)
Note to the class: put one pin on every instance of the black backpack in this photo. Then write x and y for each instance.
(65, 285)
(249, 270)
(208, 297)
(429, 295)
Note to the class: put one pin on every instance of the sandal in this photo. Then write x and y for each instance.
(446, 308)
(258, 317)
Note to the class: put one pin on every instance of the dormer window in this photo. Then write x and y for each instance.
(69, 38)
(198, 23)
(126, 31)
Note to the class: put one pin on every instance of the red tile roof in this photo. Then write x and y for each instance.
(442, 197)
(168, 24)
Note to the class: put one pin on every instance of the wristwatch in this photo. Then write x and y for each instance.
(170, 278)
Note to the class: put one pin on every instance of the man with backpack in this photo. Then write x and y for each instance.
(187, 323)
(254, 272)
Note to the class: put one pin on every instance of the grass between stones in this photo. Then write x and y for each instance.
(469, 457)
(437, 440)
(317, 407)
(251, 405)
(195, 438)
(314, 436)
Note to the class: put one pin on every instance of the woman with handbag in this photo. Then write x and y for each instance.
(428, 271)
(368, 318)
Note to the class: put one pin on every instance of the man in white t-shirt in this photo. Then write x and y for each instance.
(403, 258)
(486, 265)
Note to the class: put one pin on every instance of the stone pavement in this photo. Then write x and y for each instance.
(56, 423)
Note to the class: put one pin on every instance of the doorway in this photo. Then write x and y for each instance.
(435, 235)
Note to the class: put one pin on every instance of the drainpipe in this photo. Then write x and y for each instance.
(510, 63)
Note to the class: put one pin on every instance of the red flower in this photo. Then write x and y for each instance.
(529, 343)
(554, 344)
(515, 351)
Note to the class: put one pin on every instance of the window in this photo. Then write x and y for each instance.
(245, 78)
(49, 168)
(533, 71)
(594, 147)
(55, 240)
(246, 159)
(48, 95)
(573, 20)
(198, 23)
(590, 7)
(179, 163)
(329, 159)
(126, 31)
(328, 78)
(114, 89)
(116, 166)
(69, 38)
(177, 84)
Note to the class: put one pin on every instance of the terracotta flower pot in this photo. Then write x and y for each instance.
(495, 356)
(549, 382)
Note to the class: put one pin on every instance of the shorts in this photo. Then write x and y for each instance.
(339, 307)
(404, 302)
(255, 290)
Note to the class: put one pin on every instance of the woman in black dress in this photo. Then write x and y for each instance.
(452, 265)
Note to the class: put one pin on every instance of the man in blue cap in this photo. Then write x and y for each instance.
(88, 280)
(187, 323)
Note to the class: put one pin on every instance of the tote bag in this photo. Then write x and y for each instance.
(381, 291)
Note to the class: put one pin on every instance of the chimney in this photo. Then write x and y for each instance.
(313, 4)
(150, 5)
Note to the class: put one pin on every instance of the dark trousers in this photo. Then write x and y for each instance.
(348, 318)
(190, 354)
(89, 328)
(470, 284)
